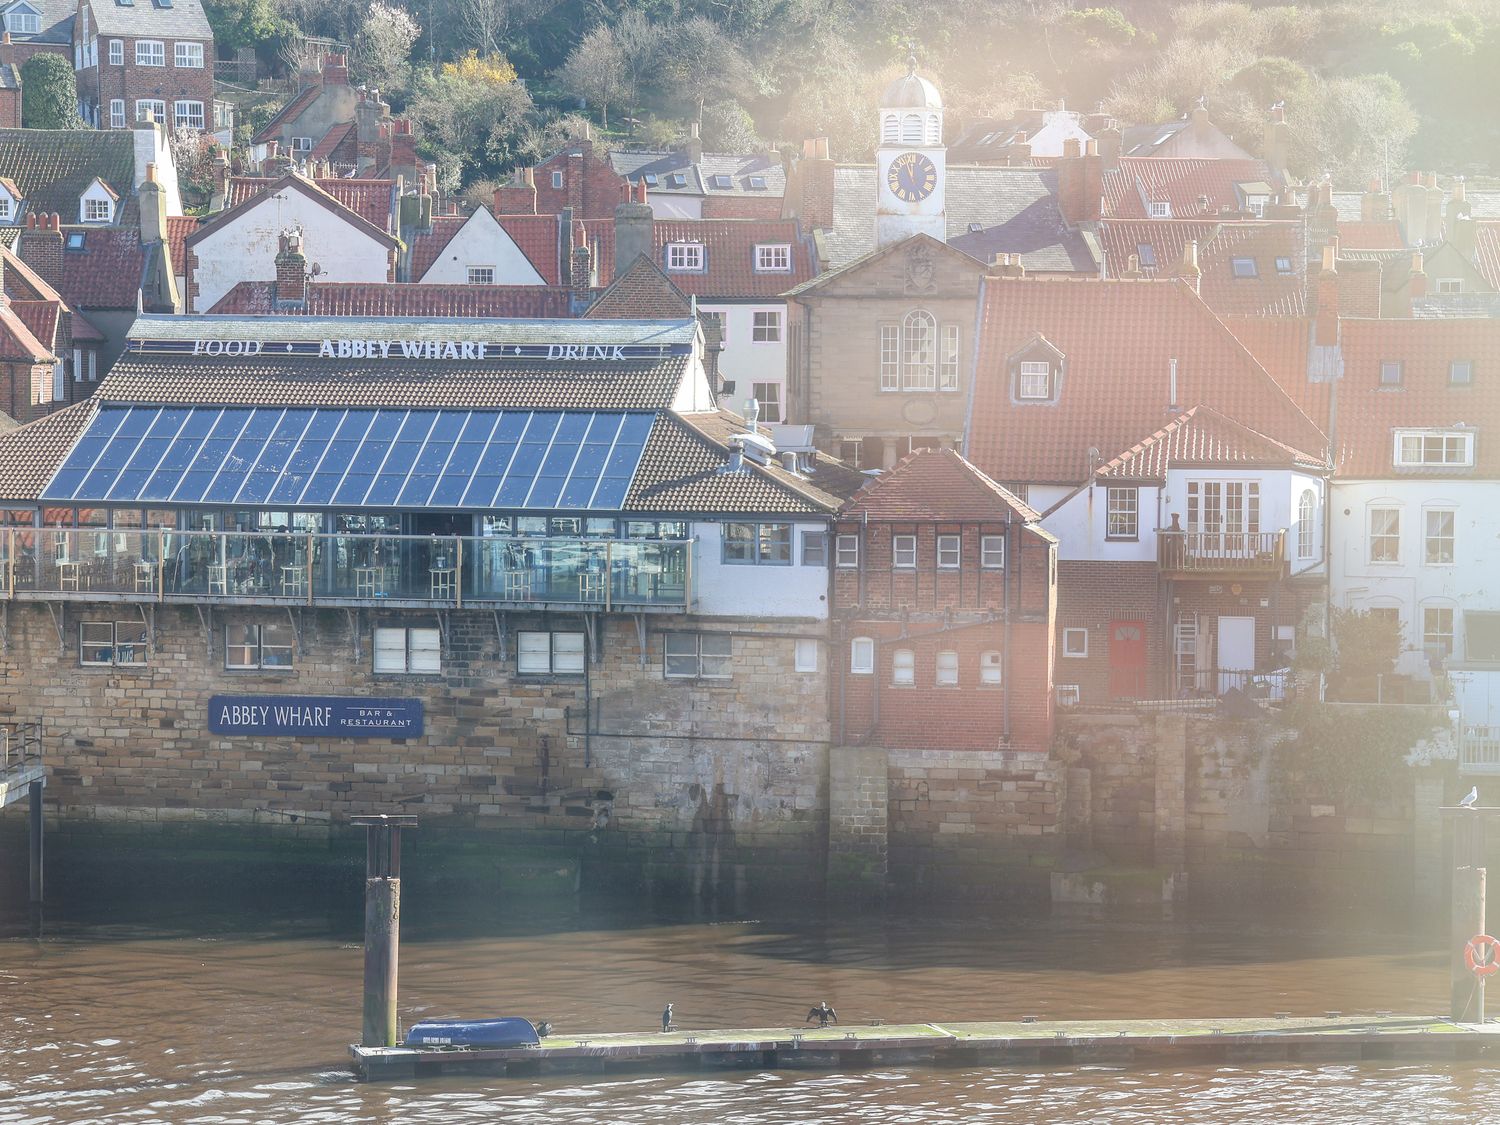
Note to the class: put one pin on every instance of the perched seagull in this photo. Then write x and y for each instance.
(1471, 800)
(666, 1018)
(822, 1013)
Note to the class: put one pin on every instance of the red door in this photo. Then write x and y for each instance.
(1127, 659)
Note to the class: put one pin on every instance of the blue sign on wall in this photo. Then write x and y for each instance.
(312, 716)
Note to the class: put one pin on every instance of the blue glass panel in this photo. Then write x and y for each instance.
(458, 473)
(425, 473)
(211, 456)
(371, 454)
(558, 462)
(179, 455)
(336, 458)
(619, 469)
(274, 457)
(85, 452)
(520, 478)
(579, 491)
(401, 459)
(117, 452)
(494, 463)
(243, 455)
(304, 460)
(148, 454)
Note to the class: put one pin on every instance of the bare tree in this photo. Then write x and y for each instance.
(640, 48)
(704, 63)
(382, 51)
(596, 70)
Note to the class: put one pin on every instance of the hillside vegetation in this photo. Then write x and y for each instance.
(1386, 84)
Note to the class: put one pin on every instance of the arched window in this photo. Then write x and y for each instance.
(911, 128)
(934, 130)
(989, 668)
(903, 666)
(1306, 506)
(890, 128)
(919, 351)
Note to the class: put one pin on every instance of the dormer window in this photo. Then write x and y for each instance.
(97, 204)
(649, 179)
(1256, 205)
(7, 211)
(1161, 209)
(10, 200)
(1036, 372)
(773, 258)
(23, 19)
(1436, 448)
(685, 257)
(1036, 379)
(677, 179)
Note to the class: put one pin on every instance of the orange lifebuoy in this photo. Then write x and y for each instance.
(1482, 955)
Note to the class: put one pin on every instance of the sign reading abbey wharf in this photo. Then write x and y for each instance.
(460, 350)
(310, 716)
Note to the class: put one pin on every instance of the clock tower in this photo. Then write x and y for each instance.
(910, 166)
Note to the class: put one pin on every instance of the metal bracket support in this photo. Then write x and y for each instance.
(640, 636)
(59, 615)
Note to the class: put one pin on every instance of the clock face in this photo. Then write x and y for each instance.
(911, 177)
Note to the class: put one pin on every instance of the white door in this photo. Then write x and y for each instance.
(1236, 651)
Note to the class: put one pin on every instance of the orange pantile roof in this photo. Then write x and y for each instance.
(178, 229)
(426, 245)
(1182, 182)
(271, 130)
(1274, 250)
(936, 485)
(1370, 235)
(538, 237)
(728, 254)
(1117, 340)
(1202, 437)
(371, 200)
(642, 292)
(31, 454)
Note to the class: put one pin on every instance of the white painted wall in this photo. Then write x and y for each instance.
(482, 242)
(244, 249)
(1411, 584)
(1058, 125)
(746, 361)
(1080, 527)
(152, 147)
(736, 590)
(665, 205)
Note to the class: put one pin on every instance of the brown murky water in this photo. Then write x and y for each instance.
(215, 1018)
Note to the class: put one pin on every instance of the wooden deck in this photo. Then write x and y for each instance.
(981, 1044)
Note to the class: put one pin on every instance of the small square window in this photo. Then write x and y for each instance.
(846, 552)
(1075, 642)
(903, 667)
(1243, 267)
(992, 552)
(1036, 380)
(1450, 286)
(258, 646)
(187, 115)
(150, 52)
(814, 548)
(1390, 373)
(112, 643)
(481, 275)
(948, 552)
(414, 651)
(1161, 209)
(97, 210)
(766, 328)
(189, 55)
(558, 654)
(805, 655)
(706, 656)
(685, 257)
(862, 656)
(773, 258)
(1461, 372)
(904, 552)
(1067, 695)
(1284, 267)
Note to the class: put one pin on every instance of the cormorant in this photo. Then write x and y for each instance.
(822, 1013)
(666, 1018)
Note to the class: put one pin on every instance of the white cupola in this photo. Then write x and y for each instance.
(910, 163)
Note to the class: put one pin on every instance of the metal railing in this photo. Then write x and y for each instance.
(20, 745)
(1479, 750)
(311, 568)
(1220, 552)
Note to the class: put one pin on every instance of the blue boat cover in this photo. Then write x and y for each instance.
(505, 1032)
(333, 458)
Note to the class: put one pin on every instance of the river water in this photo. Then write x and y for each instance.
(177, 1012)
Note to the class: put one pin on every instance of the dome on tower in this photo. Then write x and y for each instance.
(911, 92)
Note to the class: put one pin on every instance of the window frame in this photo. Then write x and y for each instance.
(773, 401)
(1117, 528)
(1389, 553)
(904, 667)
(773, 257)
(1307, 508)
(698, 655)
(903, 545)
(991, 672)
(117, 113)
(767, 330)
(260, 648)
(1072, 633)
(114, 645)
(409, 632)
(919, 351)
(1429, 539)
(988, 545)
(472, 270)
(862, 656)
(1449, 286)
(91, 206)
(1392, 373)
(1161, 209)
(152, 103)
(1244, 269)
(144, 58)
(801, 660)
(757, 542)
(553, 652)
(1428, 632)
(945, 669)
(1025, 378)
(178, 114)
(686, 257)
(1464, 365)
(950, 347)
(1465, 438)
(184, 50)
(116, 52)
(953, 546)
(814, 548)
(845, 551)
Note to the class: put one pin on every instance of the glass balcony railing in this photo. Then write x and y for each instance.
(281, 567)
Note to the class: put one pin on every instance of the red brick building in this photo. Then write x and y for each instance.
(144, 62)
(944, 601)
(577, 176)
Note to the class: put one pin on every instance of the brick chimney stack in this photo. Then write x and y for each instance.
(1006, 265)
(1416, 281)
(635, 231)
(1187, 268)
(1080, 182)
(291, 271)
(335, 70)
(1375, 204)
(694, 146)
(1277, 144)
(1326, 326)
(814, 178)
(40, 246)
(1020, 152)
(518, 197)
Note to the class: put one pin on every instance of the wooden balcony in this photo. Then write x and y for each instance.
(282, 568)
(1217, 555)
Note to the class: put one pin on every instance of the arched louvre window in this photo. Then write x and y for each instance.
(1306, 505)
(919, 351)
(934, 130)
(890, 128)
(911, 129)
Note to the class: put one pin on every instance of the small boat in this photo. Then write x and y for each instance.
(508, 1031)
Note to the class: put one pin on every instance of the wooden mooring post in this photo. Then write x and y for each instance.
(382, 924)
(1467, 917)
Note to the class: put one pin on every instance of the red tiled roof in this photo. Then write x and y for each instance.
(253, 298)
(41, 319)
(536, 236)
(371, 200)
(22, 283)
(1370, 235)
(271, 130)
(331, 140)
(1280, 346)
(1180, 181)
(85, 332)
(729, 254)
(106, 273)
(1487, 251)
(1368, 412)
(936, 484)
(642, 292)
(30, 455)
(428, 244)
(1200, 437)
(17, 340)
(1118, 340)
(1271, 292)
(178, 229)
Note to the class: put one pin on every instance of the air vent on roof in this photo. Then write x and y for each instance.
(758, 447)
(757, 183)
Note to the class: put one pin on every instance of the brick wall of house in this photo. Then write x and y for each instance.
(741, 207)
(1092, 595)
(169, 83)
(589, 185)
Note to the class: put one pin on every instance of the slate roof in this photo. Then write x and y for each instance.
(938, 485)
(682, 471)
(1182, 182)
(372, 200)
(30, 455)
(293, 109)
(54, 167)
(57, 18)
(183, 20)
(1198, 438)
(1118, 339)
(363, 299)
(729, 254)
(699, 177)
(1271, 292)
(1014, 209)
